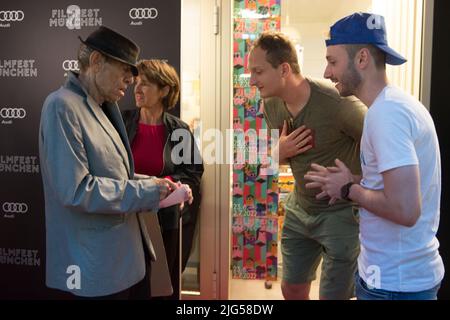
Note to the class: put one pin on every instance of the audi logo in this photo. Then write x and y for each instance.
(143, 13)
(13, 113)
(16, 15)
(70, 65)
(11, 207)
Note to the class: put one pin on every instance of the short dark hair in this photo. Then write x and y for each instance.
(279, 49)
(378, 56)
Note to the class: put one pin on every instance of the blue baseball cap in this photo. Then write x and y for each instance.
(364, 28)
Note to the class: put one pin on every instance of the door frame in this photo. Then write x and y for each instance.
(215, 113)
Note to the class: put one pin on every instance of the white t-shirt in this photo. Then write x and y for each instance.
(399, 131)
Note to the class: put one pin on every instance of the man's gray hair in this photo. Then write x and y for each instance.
(84, 52)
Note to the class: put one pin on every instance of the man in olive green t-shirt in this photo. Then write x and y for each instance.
(317, 126)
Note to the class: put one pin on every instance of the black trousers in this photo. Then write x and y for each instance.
(187, 240)
(171, 238)
(171, 246)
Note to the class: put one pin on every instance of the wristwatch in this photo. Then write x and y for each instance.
(345, 191)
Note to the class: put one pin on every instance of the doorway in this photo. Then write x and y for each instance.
(307, 24)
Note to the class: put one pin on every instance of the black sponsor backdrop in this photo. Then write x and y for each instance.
(33, 39)
(440, 111)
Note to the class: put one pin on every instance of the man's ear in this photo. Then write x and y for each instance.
(363, 58)
(96, 60)
(285, 69)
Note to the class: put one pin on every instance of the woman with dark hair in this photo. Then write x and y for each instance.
(153, 134)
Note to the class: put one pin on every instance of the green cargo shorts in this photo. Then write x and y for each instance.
(331, 235)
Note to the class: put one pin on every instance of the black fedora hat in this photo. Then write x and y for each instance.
(114, 45)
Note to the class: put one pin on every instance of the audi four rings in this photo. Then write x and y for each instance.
(70, 65)
(11, 207)
(143, 13)
(16, 15)
(13, 113)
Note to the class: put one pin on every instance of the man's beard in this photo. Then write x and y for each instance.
(350, 81)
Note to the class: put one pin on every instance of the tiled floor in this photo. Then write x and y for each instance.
(255, 290)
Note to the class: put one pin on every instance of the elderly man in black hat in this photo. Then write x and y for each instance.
(97, 241)
(399, 191)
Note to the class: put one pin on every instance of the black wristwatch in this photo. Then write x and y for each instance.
(345, 191)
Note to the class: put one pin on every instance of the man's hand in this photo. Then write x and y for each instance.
(330, 180)
(297, 142)
(181, 194)
(165, 187)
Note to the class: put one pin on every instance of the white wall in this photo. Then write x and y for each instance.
(309, 27)
(311, 36)
(347, 7)
(308, 22)
(190, 61)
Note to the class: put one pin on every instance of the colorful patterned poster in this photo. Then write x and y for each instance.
(255, 196)
(254, 249)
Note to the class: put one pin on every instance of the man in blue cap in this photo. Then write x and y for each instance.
(399, 191)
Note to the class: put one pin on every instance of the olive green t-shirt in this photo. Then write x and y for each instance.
(337, 125)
